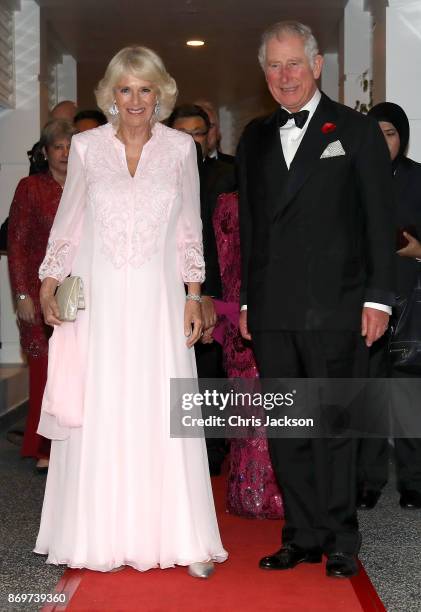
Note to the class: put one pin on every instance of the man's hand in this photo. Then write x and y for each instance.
(374, 323)
(208, 312)
(412, 249)
(244, 331)
(25, 310)
(209, 319)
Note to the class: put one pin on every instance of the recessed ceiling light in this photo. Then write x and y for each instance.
(195, 43)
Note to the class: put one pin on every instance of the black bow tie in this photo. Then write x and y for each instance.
(300, 118)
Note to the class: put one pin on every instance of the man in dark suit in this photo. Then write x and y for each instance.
(317, 270)
(214, 133)
(216, 177)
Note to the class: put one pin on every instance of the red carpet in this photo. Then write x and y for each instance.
(238, 584)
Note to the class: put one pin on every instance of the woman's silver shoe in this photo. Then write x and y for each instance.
(201, 569)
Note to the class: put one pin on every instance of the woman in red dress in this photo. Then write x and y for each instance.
(31, 216)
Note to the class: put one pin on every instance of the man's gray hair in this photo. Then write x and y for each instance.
(295, 28)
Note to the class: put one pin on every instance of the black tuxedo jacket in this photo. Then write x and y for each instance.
(407, 184)
(317, 240)
(216, 177)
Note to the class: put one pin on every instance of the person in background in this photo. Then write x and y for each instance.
(31, 216)
(65, 110)
(252, 488)
(216, 177)
(214, 134)
(193, 120)
(88, 120)
(373, 456)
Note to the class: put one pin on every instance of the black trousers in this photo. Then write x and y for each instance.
(373, 455)
(209, 364)
(317, 476)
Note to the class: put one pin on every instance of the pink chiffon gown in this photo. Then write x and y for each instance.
(120, 490)
(252, 489)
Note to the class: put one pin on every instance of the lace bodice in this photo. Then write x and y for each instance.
(130, 214)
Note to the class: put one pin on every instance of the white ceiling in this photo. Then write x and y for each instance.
(225, 70)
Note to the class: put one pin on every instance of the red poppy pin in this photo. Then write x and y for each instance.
(328, 127)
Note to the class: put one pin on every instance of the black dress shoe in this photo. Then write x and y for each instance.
(341, 565)
(41, 470)
(367, 499)
(289, 556)
(410, 499)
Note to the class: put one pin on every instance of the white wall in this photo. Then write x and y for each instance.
(228, 145)
(403, 64)
(19, 129)
(330, 76)
(355, 52)
(67, 79)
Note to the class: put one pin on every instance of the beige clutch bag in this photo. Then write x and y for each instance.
(70, 299)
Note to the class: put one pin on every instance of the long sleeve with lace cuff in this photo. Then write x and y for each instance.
(67, 227)
(189, 230)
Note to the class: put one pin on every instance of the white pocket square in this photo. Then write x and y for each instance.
(334, 149)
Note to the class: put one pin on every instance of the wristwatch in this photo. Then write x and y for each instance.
(21, 296)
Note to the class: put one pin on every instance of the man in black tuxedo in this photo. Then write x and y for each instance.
(317, 269)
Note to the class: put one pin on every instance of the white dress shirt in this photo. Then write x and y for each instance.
(291, 137)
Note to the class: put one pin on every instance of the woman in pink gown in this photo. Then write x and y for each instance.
(120, 491)
(252, 488)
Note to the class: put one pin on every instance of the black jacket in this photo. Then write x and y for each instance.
(317, 240)
(407, 189)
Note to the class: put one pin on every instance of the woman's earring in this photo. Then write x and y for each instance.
(113, 110)
(157, 107)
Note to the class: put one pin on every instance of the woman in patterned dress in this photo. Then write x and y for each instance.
(32, 214)
(252, 488)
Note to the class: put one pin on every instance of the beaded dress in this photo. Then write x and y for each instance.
(252, 488)
(31, 216)
(120, 490)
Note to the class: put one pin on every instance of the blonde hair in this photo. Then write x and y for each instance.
(144, 64)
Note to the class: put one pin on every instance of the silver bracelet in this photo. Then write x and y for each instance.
(194, 297)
